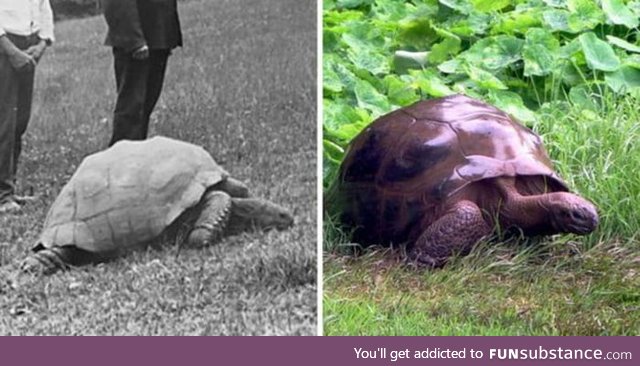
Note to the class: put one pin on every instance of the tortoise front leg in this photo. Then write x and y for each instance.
(455, 232)
(213, 218)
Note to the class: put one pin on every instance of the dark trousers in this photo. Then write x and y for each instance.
(139, 83)
(16, 91)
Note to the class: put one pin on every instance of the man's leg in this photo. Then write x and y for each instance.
(8, 111)
(25, 97)
(157, 68)
(131, 82)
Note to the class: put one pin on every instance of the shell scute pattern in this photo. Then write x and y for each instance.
(129, 194)
(407, 162)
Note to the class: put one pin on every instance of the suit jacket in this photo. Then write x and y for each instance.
(134, 23)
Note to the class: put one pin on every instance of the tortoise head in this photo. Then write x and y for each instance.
(260, 214)
(570, 213)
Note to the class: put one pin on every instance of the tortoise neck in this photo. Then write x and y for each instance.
(243, 215)
(530, 213)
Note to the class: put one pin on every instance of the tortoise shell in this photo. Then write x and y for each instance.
(407, 163)
(129, 194)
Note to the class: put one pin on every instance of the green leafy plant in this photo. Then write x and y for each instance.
(518, 55)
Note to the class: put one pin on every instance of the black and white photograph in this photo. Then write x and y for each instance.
(158, 167)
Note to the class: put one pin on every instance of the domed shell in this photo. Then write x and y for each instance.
(422, 154)
(129, 194)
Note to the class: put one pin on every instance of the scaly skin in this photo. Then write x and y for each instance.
(212, 220)
(457, 231)
(463, 225)
(223, 215)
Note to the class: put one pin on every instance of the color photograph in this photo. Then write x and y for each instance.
(480, 165)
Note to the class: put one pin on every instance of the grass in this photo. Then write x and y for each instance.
(243, 87)
(563, 285)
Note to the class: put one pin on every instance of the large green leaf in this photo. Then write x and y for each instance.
(483, 78)
(450, 46)
(341, 122)
(371, 99)
(623, 80)
(512, 104)
(584, 15)
(332, 17)
(634, 6)
(430, 83)
(336, 68)
(585, 96)
(494, 53)
(400, 92)
(330, 80)
(623, 44)
(475, 23)
(538, 60)
(337, 112)
(556, 3)
(517, 21)
(490, 5)
(539, 52)
(557, 19)
(599, 54)
(363, 44)
(416, 33)
(463, 6)
(350, 4)
(391, 10)
(618, 13)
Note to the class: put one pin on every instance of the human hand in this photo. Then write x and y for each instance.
(141, 53)
(36, 51)
(21, 60)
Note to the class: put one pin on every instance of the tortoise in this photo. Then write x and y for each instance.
(129, 194)
(442, 174)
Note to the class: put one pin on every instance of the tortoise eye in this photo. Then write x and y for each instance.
(578, 215)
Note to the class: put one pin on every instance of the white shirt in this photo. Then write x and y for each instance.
(26, 17)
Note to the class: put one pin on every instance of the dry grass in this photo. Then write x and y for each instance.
(244, 88)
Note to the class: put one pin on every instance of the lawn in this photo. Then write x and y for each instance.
(243, 87)
(563, 285)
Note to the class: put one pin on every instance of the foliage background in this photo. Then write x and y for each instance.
(518, 55)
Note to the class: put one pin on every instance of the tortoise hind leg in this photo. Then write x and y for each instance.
(213, 218)
(455, 232)
(49, 260)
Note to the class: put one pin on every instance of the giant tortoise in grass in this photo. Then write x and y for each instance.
(441, 174)
(129, 194)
